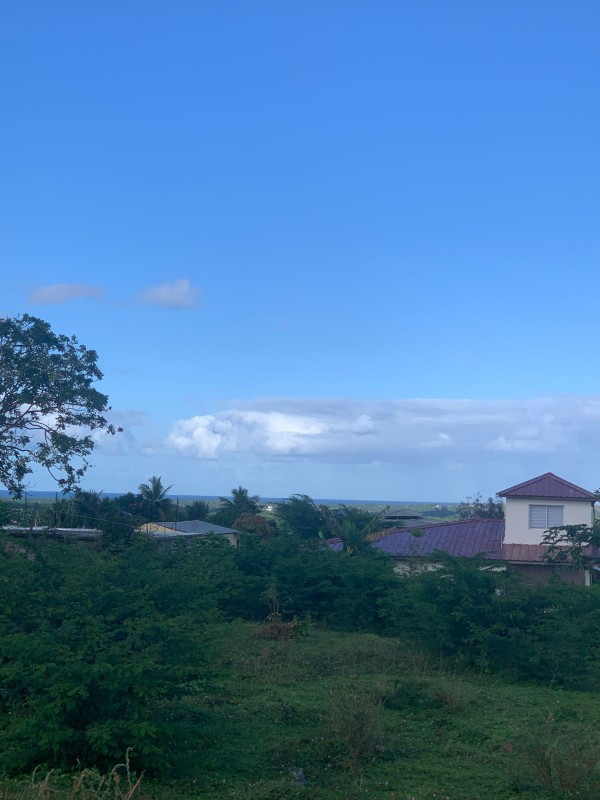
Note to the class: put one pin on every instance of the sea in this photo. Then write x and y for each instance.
(328, 501)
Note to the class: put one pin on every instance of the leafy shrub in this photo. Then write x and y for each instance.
(565, 759)
(409, 694)
(353, 724)
(90, 659)
(452, 695)
(281, 630)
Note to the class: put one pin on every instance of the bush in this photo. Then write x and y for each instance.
(90, 659)
(565, 759)
(353, 724)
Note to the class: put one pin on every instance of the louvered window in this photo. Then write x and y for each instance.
(545, 516)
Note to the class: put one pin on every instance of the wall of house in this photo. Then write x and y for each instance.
(516, 514)
(542, 573)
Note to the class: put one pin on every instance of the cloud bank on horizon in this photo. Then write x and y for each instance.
(364, 431)
(420, 449)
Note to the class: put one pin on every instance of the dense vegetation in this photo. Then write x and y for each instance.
(226, 669)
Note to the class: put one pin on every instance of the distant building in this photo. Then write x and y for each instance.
(74, 533)
(406, 518)
(192, 527)
(401, 514)
(541, 503)
(531, 508)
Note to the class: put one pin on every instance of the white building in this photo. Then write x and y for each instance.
(541, 503)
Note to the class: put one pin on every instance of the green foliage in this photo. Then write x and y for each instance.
(93, 654)
(120, 783)
(156, 504)
(353, 726)
(477, 508)
(254, 523)
(482, 618)
(241, 502)
(300, 516)
(564, 757)
(312, 581)
(197, 509)
(5, 514)
(105, 647)
(47, 401)
(571, 542)
(310, 705)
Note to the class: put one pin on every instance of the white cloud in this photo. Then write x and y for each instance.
(177, 294)
(56, 293)
(401, 431)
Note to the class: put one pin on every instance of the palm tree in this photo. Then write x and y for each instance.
(239, 503)
(197, 509)
(154, 496)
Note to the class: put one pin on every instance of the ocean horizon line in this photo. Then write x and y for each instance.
(43, 495)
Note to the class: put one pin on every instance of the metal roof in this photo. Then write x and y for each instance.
(335, 544)
(195, 526)
(535, 553)
(403, 513)
(549, 486)
(465, 538)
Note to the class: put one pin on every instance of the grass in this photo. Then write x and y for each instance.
(88, 784)
(329, 716)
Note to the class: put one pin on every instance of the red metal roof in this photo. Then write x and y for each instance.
(549, 486)
(465, 538)
(534, 553)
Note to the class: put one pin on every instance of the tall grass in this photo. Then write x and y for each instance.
(120, 783)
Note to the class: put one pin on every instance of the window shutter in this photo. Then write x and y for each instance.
(555, 516)
(537, 516)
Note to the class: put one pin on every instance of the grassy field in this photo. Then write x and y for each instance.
(327, 716)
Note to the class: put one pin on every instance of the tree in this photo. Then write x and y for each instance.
(48, 406)
(240, 503)
(255, 523)
(301, 516)
(352, 525)
(476, 508)
(572, 543)
(154, 495)
(197, 509)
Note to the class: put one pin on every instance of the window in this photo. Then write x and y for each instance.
(545, 516)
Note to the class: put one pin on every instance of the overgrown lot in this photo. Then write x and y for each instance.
(371, 717)
(279, 672)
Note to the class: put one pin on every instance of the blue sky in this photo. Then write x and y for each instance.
(341, 248)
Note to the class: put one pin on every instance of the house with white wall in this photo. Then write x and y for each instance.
(534, 506)
(531, 508)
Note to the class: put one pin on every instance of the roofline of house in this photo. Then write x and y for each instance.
(507, 492)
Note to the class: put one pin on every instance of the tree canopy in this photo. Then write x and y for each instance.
(48, 405)
(477, 508)
(241, 502)
(154, 496)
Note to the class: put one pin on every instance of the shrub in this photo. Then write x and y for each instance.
(353, 724)
(565, 759)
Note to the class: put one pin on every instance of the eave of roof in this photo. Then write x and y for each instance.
(537, 554)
